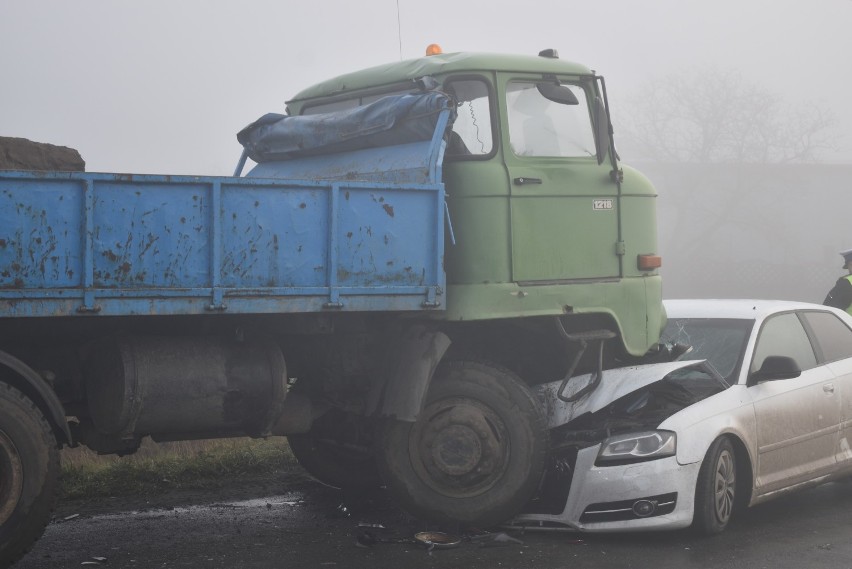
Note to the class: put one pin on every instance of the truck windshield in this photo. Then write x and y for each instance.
(540, 127)
(471, 135)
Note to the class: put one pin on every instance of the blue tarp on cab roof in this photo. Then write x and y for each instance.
(391, 120)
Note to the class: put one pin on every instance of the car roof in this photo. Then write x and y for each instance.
(749, 309)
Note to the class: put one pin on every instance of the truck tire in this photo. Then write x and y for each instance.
(716, 490)
(29, 473)
(476, 453)
(337, 452)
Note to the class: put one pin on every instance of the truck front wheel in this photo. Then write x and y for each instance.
(476, 453)
(29, 473)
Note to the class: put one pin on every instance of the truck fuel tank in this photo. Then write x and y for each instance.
(171, 386)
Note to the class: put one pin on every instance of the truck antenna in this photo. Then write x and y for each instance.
(399, 29)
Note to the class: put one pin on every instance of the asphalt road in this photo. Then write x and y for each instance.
(316, 527)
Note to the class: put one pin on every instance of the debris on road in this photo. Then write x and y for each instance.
(496, 540)
(437, 540)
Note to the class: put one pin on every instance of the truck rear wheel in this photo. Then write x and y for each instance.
(29, 473)
(476, 453)
(337, 451)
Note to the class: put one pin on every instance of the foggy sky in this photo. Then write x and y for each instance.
(162, 86)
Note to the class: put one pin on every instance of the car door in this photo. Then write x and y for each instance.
(797, 419)
(834, 347)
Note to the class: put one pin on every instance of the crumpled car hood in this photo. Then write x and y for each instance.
(616, 383)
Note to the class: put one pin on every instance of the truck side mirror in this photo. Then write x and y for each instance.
(774, 368)
(553, 91)
(602, 138)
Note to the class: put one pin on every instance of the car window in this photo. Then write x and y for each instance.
(721, 341)
(783, 335)
(832, 335)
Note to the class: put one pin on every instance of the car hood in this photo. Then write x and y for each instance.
(616, 383)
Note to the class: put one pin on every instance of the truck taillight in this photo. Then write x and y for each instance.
(649, 262)
(434, 49)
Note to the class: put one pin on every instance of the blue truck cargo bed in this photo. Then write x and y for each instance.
(126, 244)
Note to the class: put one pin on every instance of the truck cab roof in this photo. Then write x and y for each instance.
(441, 64)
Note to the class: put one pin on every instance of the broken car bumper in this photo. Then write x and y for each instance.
(656, 494)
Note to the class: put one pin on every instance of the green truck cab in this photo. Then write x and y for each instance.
(545, 220)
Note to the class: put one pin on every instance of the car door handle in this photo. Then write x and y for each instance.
(828, 388)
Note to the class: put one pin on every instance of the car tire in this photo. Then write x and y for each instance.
(29, 473)
(716, 490)
(476, 453)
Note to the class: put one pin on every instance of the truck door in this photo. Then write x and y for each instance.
(564, 205)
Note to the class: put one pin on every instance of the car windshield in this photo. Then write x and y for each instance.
(721, 341)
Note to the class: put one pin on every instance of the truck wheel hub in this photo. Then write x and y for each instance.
(456, 450)
(461, 447)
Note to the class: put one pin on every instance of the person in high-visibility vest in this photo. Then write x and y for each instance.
(841, 295)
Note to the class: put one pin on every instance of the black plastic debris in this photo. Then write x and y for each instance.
(369, 538)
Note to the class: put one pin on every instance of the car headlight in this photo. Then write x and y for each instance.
(636, 447)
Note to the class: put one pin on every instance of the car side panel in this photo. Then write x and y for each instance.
(798, 421)
(843, 381)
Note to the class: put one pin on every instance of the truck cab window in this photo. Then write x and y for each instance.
(472, 134)
(541, 127)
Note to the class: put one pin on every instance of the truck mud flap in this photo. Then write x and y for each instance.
(410, 361)
(41, 391)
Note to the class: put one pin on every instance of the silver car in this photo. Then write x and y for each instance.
(762, 407)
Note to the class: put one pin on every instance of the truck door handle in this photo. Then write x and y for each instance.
(828, 388)
(523, 181)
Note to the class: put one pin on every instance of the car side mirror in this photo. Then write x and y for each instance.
(776, 367)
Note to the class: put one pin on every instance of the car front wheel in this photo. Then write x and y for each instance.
(716, 491)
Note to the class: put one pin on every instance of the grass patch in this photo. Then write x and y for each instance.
(171, 466)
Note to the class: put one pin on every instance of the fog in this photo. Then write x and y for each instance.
(163, 86)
